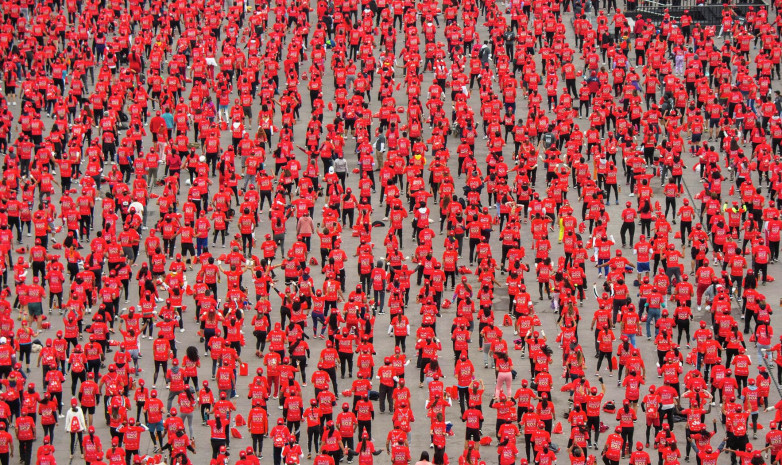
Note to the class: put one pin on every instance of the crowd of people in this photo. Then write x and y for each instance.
(167, 192)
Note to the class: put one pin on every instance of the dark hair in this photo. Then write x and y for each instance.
(192, 354)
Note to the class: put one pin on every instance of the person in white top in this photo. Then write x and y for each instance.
(75, 424)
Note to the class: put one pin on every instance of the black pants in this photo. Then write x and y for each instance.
(257, 444)
(26, 451)
(667, 415)
(345, 361)
(627, 227)
(627, 435)
(593, 423)
(74, 437)
(399, 341)
(216, 444)
(313, 437)
(682, 326)
(385, 394)
(607, 356)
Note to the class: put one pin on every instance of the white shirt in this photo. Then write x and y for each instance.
(74, 421)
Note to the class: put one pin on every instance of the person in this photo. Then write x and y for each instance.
(6, 444)
(424, 459)
(76, 426)
(25, 434)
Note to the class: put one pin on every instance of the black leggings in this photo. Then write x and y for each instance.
(216, 443)
(682, 326)
(74, 436)
(313, 437)
(607, 356)
(158, 366)
(24, 352)
(223, 234)
(649, 430)
(627, 435)
(48, 430)
(258, 444)
(82, 376)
